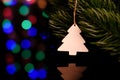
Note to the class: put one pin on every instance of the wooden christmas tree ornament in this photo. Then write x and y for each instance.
(73, 42)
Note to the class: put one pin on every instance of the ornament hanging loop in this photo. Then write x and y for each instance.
(74, 13)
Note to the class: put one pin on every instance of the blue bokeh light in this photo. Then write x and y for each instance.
(33, 74)
(10, 44)
(42, 73)
(32, 32)
(9, 2)
(25, 44)
(44, 35)
(11, 69)
(7, 26)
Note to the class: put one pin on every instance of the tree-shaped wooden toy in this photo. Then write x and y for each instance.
(73, 42)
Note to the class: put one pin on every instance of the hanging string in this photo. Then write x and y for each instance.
(74, 13)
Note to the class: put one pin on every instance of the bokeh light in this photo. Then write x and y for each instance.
(11, 69)
(32, 32)
(26, 54)
(44, 35)
(18, 66)
(33, 75)
(22, 35)
(44, 14)
(7, 26)
(13, 46)
(29, 1)
(24, 10)
(9, 58)
(29, 67)
(9, 2)
(42, 73)
(32, 18)
(10, 44)
(25, 44)
(40, 56)
(7, 13)
(16, 49)
(42, 4)
(26, 24)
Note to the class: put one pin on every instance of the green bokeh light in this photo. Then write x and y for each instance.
(45, 15)
(40, 56)
(26, 24)
(5, 21)
(24, 10)
(16, 49)
(26, 54)
(18, 67)
(29, 67)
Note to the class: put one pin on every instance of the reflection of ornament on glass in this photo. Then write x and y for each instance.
(42, 4)
(73, 42)
(72, 72)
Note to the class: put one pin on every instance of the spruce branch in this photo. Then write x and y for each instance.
(98, 19)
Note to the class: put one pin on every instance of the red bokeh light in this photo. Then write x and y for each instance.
(9, 58)
(32, 18)
(7, 13)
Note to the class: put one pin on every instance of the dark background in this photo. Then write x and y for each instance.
(100, 65)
